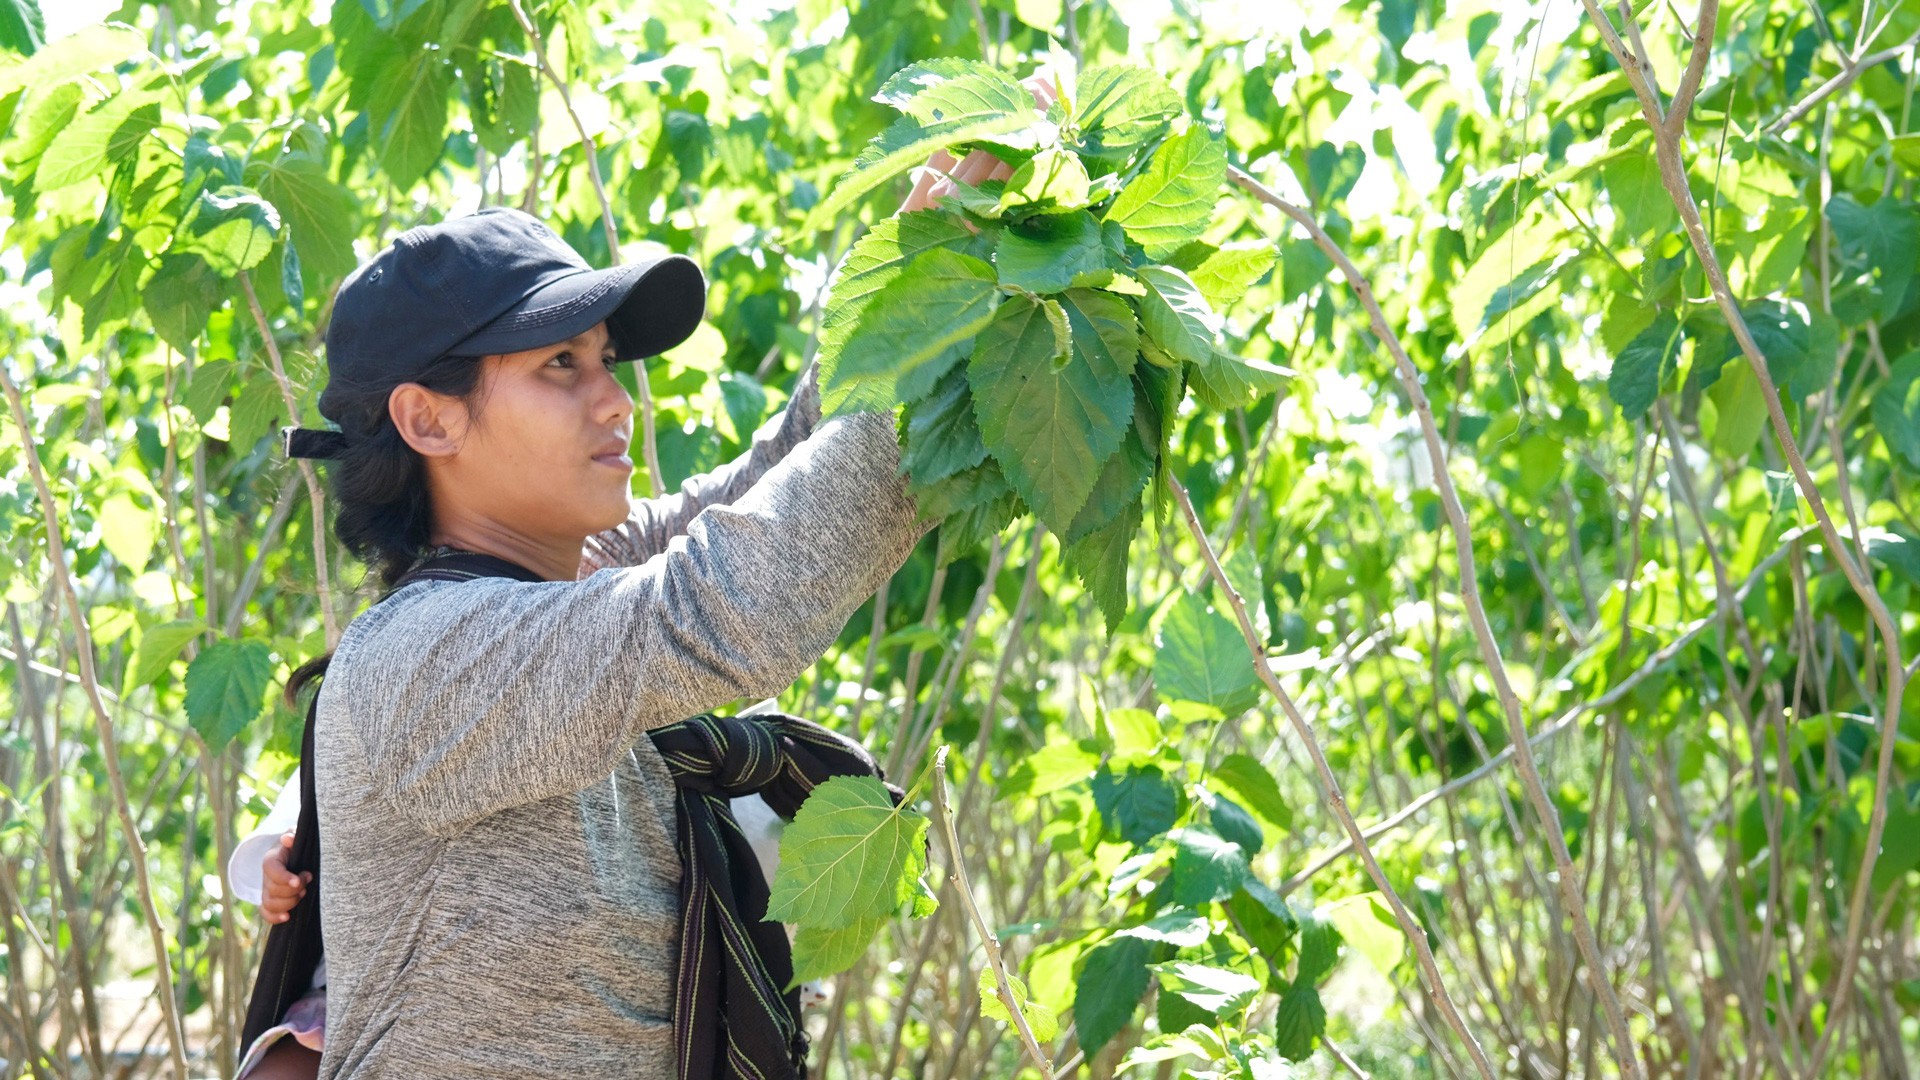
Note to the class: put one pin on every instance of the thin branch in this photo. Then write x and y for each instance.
(103, 726)
(1667, 133)
(315, 497)
(1851, 71)
(1330, 790)
(958, 870)
(649, 450)
(1530, 781)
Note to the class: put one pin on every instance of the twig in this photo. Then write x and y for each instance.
(1530, 781)
(1330, 789)
(1667, 132)
(649, 450)
(103, 726)
(1852, 70)
(315, 497)
(958, 871)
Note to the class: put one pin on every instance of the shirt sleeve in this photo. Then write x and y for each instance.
(651, 523)
(243, 867)
(472, 697)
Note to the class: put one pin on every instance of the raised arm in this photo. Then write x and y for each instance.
(493, 693)
(651, 523)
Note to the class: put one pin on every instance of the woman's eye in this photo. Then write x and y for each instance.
(610, 360)
(564, 359)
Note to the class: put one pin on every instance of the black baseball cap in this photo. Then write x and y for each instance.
(497, 281)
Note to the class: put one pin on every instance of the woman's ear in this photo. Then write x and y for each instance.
(433, 424)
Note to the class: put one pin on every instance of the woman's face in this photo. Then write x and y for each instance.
(544, 450)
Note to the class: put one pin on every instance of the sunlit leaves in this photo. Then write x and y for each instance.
(1202, 657)
(1122, 109)
(321, 216)
(232, 228)
(22, 29)
(227, 688)
(900, 351)
(819, 952)
(849, 854)
(1217, 991)
(159, 647)
(944, 102)
(1040, 1019)
(1171, 201)
(109, 132)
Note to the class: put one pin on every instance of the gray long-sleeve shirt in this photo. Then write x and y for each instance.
(501, 882)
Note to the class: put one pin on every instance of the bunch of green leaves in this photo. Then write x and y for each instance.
(1042, 331)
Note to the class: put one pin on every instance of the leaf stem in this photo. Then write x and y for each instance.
(958, 872)
(1530, 781)
(1668, 130)
(1330, 789)
(315, 497)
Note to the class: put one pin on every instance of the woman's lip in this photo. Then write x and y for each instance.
(620, 461)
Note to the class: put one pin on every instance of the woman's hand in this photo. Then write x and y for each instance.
(281, 888)
(937, 176)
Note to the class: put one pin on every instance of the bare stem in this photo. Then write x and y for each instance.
(315, 497)
(1668, 132)
(958, 871)
(103, 725)
(1330, 790)
(1530, 781)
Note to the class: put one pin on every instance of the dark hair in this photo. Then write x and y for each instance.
(381, 512)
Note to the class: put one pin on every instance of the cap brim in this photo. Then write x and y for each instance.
(649, 306)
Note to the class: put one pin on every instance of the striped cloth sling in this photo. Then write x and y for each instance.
(733, 1018)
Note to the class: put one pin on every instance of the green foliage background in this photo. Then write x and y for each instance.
(1717, 724)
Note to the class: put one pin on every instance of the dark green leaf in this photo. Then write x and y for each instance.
(1048, 418)
(1896, 409)
(1206, 868)
(1801, 347)
(1300, 1022)
(22, 29)
(1050, 253)
(1138, 804)
(942, 437)
(1644, 365)
(1099, 561)
(227, 688)
(1113, 978)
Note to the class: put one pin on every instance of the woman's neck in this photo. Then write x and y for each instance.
(553, 559)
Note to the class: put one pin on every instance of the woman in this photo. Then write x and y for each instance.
(501, 874)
